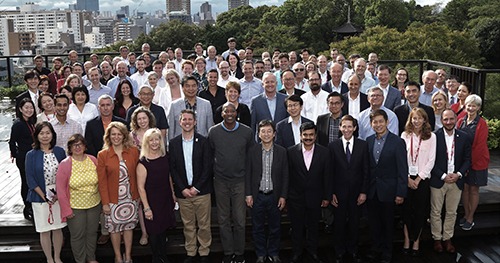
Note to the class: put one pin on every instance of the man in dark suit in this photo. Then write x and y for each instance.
(392, 96)
(387, 185)
(288, 79)
(412, 95)
(96, 127)
(266, 188)
(191, 170)
(31, 78)
(328, 124)
(350, 162)
(270, 105)
(288, 129)
(447, 180)
(354, 101)
(336, 83)
(308, 191)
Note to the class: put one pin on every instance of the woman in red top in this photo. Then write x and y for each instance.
(477, 129)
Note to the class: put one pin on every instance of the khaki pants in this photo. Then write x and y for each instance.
(449, 194)
(83, 230)
(196, 211)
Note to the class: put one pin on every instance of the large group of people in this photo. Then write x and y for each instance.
(126, 142)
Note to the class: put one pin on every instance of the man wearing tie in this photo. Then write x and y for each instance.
(308, 191)
(350, 162)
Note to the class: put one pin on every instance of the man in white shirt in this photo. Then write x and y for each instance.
(178, 60)
(224, 76)
(315, 100)
(141, 76)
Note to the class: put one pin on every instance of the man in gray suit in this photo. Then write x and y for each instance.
(200, 106)
(270, 105)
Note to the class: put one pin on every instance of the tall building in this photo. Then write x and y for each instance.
(231, 4)
(179, 5)
(206, 14)
(88, 5)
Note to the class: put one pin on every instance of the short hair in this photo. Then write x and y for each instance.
(198, 44)
(191, 56)
(233, 85)
(259, 62)
(57, 59)
(264, 123)
(213, 71)
(172, 72)
(40, 97)
(157, 62)
(455, 77)
(127, 142)
(123, 47)
(145, 142)
(249, 48)
(133, 120)
(61, 95)
(294, 98)
(412, 83)
(31, 119)
(30, 74)
(349, 118)
(378, 112)
(283, 55)
(106, 97)
(188, 111)
(38, 129)
(475, 99)
(305, 50)
(80, 89)
(285, 71)
(308, 126)
(375, 88)
(187, 62)
(356, 56)
(200, 58)
(384, 67)
(248, 62)
(131, 54)
(38, 57)
(185, 79)
(73, 139)
(335, 94)
(93, 69)
(145, 86)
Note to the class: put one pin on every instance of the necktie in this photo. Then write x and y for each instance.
(348, 153)
(452, 100)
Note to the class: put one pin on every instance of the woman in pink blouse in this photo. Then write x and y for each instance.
(421, 153)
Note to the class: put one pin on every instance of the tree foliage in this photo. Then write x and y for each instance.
(389, 13)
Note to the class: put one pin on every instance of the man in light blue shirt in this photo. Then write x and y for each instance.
(122, 69)
(376, 98)
(250, 85)
(96, 89)
(428, 89)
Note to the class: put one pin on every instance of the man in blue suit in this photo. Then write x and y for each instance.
(269, 105)
(288, 129)
(387, 184)
(392, 96)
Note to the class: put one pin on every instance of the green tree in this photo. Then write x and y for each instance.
(389, 13)
(456, 13)
(487, 32)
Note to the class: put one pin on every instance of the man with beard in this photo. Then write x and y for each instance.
(141, 75)
(224, 77)
(258, 68)
(315, 99)
(54, 76)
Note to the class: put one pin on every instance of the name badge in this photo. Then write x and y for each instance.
(413, 170)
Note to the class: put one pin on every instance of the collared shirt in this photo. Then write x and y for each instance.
(34, 97)
(295, 129)
(449, 140)
(308, 155)
(223, 82)
(336, 88)
(178, 65)
(365, 128)
(453, 98)
(333, 128)
(348, 72)
(385, 91)
(266, 183)
(351, 143)
(303, 85)
(187, 150)
(324, 76)
(354, 106)
(378, 146)
(426, 97)
(250, 89)
(94, 93)
(314, 105)
(211, 64)
(366, 84)
(64, 131)
(140, 78)
(271, 104)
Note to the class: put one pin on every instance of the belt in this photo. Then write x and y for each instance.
(266, 193)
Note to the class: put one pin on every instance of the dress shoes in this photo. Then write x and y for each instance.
(204, 259)
(296, 259)
(260, 260)
(315, 258)
(449, 246)
(438, 247)
(189, 259)
(274, 259)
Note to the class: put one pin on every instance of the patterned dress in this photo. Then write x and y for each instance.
(124, 214)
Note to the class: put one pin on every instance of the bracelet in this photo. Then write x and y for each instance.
(146, 209)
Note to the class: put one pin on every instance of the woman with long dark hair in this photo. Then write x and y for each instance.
(124, 98)
(234, 66)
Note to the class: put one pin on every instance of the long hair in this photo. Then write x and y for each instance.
(152, 120)
(119, 94)
(145, 150)
(445, 98)
(32, 118)
(127, 142)
(425, 134)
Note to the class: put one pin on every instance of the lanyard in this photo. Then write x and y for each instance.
(31, 128)
(414, 160)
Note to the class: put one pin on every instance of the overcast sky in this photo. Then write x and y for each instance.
(218, 6)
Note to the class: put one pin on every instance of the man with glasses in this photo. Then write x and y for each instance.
(288, 79)
(146, 94)
(301, 82)
(376, 99)
(224, 76)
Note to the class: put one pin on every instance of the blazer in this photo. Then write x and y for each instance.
(284, 133)
(328, 87)
(94, 134)
(403, 111)
(204, 118)
(462, 157)
(323, 128)
(202, 165)
(295, 91)
(349, 178)
(279, 171)
(260, 111)
(309, 187)
(108, 171)
(480, 155)
(34, 172)
(20, 97)
(363, 103)
(393, 98)
(388, 177)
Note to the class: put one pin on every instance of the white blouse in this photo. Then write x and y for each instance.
(89, 112)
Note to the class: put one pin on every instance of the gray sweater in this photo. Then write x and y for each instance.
(230, 150)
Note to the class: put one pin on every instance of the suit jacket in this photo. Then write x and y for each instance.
(403, 111)
(260, 110)
(284, 133)
(363, 103)
(279, 171)
(323, 128)
(296, 91)
(19, 98)
(309, 187)
(204, 118)
(94, 134)
(393, 98)
(462, 157)
(202, 165)
(328, 87)
(388, 177)
(350, 178)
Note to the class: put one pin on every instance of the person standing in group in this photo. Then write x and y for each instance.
(477, 128)
(41, 168)
(191, 168)
(350, 162)
(156, 191)
(78, 193)
(421, 154)
(266, 190)
(20, 142)
(116, 168)
(229, 180)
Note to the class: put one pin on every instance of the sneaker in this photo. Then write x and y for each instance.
(467, 226)
(227, 259)
(239, 259)
(462, 222)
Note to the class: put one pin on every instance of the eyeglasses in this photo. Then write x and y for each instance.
(289, 79)
(77, 145)
(299, 69)
(314, 79)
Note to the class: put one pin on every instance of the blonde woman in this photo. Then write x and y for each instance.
(439, 104)
(116, 169)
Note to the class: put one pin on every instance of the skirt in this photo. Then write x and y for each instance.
(47, 217)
